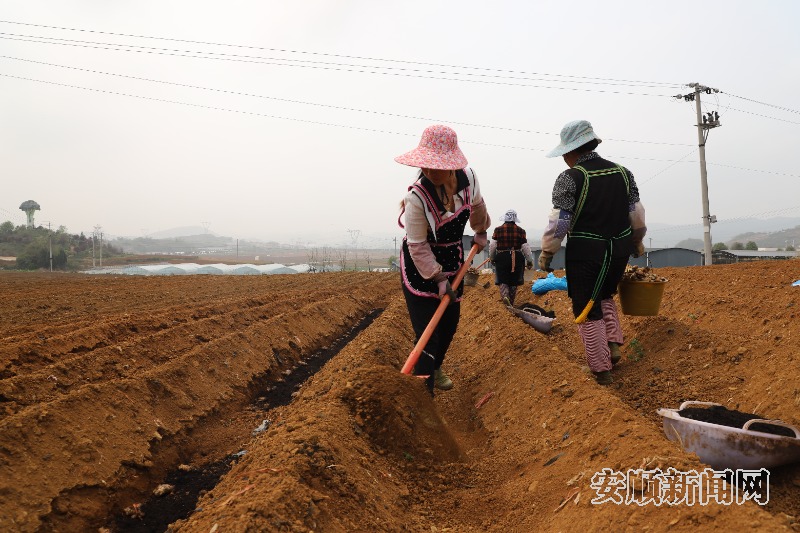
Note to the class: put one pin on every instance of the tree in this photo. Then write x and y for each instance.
(35, 255)
(365, 253)
(327, 254)
(737, 246)
(790, 248)
(719, 246)
(6, 227)
(313, 260)
(751, 246)
(341, 258)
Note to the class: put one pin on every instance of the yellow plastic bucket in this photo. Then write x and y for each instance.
(641, 298)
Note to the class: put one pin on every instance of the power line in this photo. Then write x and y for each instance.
(341, 108)
(729, 220)
(756, 170)
(343, 68)
(765, 213)
(201, 106)
(729, 108)
(763, 116)
(284, 50)
(321, 123)
(762, 103)
(254, 113)
(122, 47)
(651, 178)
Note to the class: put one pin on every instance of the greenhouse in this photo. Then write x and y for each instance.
(182, 269)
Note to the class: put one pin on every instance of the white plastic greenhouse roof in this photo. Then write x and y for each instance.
(182, 269)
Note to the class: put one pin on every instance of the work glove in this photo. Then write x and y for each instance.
(480, 239)
(446, 288)
(529, 264)
(638, 250)
(545, 258)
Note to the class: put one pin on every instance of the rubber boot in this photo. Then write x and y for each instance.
(604, 377)
(616, 356)
(504, 294)
(441, 381)
(425, 367)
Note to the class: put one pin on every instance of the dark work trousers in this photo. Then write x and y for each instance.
(582, 276)
(420, 311)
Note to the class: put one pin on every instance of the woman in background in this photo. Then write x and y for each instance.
(510, 253)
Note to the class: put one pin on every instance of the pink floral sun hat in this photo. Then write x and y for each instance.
(438, 149)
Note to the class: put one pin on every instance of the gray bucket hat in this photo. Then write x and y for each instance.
(574, 135)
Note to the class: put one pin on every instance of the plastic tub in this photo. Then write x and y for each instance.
(728, 447)
(641, 298)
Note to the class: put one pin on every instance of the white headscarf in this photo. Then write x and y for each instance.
(510, 216)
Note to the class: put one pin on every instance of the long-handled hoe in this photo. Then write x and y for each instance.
(437, 316)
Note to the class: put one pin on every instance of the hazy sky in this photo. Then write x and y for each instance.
(280, 120)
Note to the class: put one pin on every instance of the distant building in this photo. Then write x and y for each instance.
(559, 259)
(669, 257)
(655, 258)
(726, 257)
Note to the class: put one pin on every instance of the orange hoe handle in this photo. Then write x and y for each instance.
(481, 265)
(426, 335)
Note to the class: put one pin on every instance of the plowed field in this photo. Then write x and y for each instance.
(111, 386)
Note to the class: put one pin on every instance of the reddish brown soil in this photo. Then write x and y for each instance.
(107, 384)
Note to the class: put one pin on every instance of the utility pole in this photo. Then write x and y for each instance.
(50, 243)
(704, 123)
(98, 234)
(354, 235)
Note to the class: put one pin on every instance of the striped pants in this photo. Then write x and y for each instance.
(596, 334)
(508, 291)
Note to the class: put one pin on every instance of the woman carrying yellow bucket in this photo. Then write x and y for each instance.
(595, 202)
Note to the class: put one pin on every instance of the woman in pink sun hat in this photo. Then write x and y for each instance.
(444, 197)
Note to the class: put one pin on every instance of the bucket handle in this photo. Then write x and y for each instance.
(684, 405)
(771, 423)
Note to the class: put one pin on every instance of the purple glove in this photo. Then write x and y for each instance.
(481, 240)
(446, 288)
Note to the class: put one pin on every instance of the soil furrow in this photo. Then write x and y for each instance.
(103, 432)
(516, 445)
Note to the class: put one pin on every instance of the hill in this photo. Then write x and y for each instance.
(777, 239)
